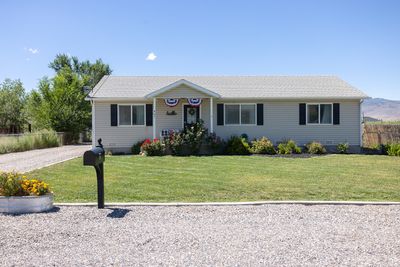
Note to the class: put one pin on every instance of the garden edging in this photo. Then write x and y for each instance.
(273, 202)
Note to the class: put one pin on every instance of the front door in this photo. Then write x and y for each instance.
(190, 114)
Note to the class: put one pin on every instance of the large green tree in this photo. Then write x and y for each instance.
(59, 103)
(90, 73)
(12, 100)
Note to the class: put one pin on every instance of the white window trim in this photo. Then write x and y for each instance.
(183, 113)
(319, 117)
(240, 114)
(136, 125)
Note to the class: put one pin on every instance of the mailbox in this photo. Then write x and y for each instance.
(95, 157)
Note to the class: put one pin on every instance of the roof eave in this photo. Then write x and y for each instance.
(233, 98)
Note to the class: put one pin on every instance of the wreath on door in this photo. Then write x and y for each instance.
(191, 111)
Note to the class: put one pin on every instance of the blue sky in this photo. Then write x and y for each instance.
(356, 40)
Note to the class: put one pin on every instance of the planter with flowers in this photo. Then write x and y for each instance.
(20, 194)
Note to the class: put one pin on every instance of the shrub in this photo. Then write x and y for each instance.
(135, 149)
(377, 147)
(393, 149)
(237, 146)
(189, 141)
(10, 184)
(153, 148)
(342, 148)
(216, 144)
(15, 184)
(175, 144)
(287, 147)
(41, 139)
(193, 135)
(315, 148)
(262, 146)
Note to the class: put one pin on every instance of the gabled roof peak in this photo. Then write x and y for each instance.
(179, 83)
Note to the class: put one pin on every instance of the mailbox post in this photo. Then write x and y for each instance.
(95, 157)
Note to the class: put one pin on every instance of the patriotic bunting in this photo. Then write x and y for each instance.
(194, 102)
(171, 102)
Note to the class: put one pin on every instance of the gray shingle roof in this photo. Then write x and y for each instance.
(274, 87)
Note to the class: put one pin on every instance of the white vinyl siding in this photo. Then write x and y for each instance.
(281, 121)
(117, 137)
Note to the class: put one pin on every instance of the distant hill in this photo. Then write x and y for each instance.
(381, 109)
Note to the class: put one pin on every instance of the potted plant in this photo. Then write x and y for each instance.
(20, 194)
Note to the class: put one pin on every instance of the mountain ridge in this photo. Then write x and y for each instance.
(381, 109)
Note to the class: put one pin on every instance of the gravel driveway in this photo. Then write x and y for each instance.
(39, 158)
(276, 235)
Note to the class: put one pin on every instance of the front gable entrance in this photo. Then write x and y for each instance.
(185, 105)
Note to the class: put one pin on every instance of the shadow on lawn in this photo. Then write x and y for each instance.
(118, 213)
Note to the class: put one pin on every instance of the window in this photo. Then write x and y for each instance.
(137, 115)
(319, 113)
(240, 114)
(248, 114)
(131, 115)
(124, 115)
(232, 114)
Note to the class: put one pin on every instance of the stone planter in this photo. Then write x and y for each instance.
(26, 204)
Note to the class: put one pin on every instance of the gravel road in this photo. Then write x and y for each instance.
(39, 158)
(278, 235)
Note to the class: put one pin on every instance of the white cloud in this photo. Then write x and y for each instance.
(33, 50)
(151, 57)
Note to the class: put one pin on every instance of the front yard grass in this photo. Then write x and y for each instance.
(228, 178)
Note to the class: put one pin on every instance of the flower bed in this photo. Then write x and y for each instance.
(19, 194)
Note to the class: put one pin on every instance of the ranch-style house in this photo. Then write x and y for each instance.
(303, 108)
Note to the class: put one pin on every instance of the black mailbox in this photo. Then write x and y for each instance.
(95, 157)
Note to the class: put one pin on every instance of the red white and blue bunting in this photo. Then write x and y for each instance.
(194, 102)
(171, 102)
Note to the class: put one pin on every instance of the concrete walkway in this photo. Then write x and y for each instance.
(39, 158)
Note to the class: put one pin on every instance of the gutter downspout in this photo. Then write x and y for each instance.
(93, 123)
(154, 117)
(361, 125)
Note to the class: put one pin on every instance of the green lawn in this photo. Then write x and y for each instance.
(229, 178)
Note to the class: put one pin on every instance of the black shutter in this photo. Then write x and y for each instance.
(260, 114)
(302, 114)
(185, 107)
(336, 113)
(149, 114)
(220, 114)
(197, 114)
(114, 114)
